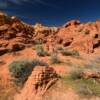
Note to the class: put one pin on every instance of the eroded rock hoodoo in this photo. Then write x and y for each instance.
(38, 82)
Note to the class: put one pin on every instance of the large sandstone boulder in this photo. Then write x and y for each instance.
(38, 82)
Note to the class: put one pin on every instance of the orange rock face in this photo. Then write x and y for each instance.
(39, 81)
(83, 37)
(13, 33)
(18, 32)
(16, 35)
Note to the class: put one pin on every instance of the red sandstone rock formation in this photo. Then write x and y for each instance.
(84, 37)
(38, 82)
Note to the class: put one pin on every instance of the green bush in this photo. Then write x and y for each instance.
(84, 87)
(41, 52)
(37, 62)
(38, 42)
(70, 53)
(60, 48)
(76, 74)
(54, 59)
(21, 69)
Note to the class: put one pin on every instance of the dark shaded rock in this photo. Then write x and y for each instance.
(16, 46)
(4, 27)
(67, 43)
(3, 51)
(10, 34)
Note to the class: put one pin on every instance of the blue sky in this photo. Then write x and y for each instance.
(52, 12)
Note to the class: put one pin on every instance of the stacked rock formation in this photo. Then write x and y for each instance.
(38, 82)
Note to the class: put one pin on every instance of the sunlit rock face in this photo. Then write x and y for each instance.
(83, 37)
(39, 81)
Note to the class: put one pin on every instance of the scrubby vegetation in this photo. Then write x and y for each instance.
(38, 42)
(87, 87)
(54, 59)
(60, 48)
(70, 53)
(21, 69)
(86, 31)
(40, 51)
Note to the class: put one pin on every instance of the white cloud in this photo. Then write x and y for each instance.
(5, 3)
(42, 2)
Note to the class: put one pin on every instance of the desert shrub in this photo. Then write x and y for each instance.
(88, 87)
(97, 59)
(54, 59)
(80, 30)
(70, 53)
(76, 73)
(60, 48)
(38, 42)
(37, 62)
(21, 69)
(86, 31)
(84, 87)
(68, 63)
(41, 52)
(92, 66)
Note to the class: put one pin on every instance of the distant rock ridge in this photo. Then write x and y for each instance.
(16, 35)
